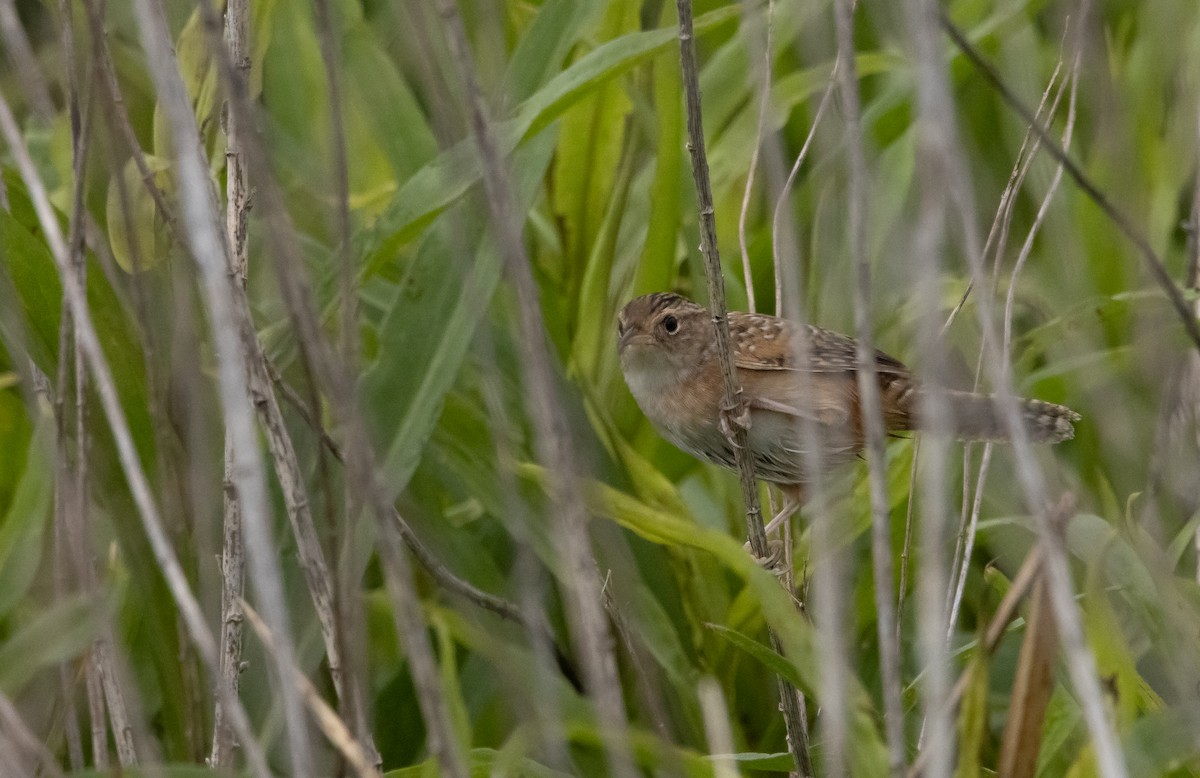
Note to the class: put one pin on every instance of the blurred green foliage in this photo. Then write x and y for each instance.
(587, 100)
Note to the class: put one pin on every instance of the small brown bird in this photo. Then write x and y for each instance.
(668, 351)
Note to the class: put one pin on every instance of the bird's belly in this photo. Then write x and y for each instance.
(779, 449)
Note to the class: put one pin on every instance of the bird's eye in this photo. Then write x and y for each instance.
(671, 325)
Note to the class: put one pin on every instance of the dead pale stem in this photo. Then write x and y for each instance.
(869, 392)
(777, 216)
(103, 690)
(25, 61)
(15, 735)
(209, 249)
(233, 554)
(907, 545)
(105, 386)
(340, 650)
(1122, 222)
(65, 568)
(1081, 665)
(997, 241)
(1006, 612)
(762, 84)
(716, 728)
(555, 449)
(797, 728)
(331, 56)
(1193, 282)
(327, 719)
(1032, 688)
(326, 371)
(967, 537)
(70, 477)
(233, 549)
(933, 147)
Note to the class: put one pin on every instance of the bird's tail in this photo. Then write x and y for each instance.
(977, 417)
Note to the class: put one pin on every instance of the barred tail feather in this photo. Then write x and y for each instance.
(976, 417)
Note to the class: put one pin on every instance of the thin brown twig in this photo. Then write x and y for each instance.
(434, 566)
(733, 402)
(554, 447)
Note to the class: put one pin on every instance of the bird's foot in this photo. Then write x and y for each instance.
(734, 416)
(773, 558)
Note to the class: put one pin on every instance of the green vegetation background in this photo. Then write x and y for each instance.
(590, 101)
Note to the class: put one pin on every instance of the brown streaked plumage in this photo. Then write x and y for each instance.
(667, 346)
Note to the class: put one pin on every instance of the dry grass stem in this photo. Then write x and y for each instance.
(105, 386)
(327, 719)
(733, 402)
(868, 389)
(554, 448)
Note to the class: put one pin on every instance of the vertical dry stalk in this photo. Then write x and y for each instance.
(209, 249)
(933, 149)
(716, 727)
(997, 241)
(70, 494)
(16, 738)
(777, 221)
(89, 344)
(585, 612)
(331, 55)
(1122, 222)
(762, 84)
(233, 549)
(1081, 664)
(332, 376)
(868, 388)
(24, 61)
(326, 718)
(733, 401)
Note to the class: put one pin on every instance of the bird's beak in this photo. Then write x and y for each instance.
(625, 338)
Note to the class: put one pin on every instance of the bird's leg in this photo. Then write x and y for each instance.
(793, 498)
(734, 415)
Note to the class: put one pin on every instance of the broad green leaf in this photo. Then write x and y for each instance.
(482, 763)
(376, 90)
(427, 332)
(151, 241)
(23, 528)
(777, 606)
(445, 179)
(657, 264)
(972, 720)
(35, 277)
(58, 632)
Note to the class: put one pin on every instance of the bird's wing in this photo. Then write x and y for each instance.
(762, 342)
